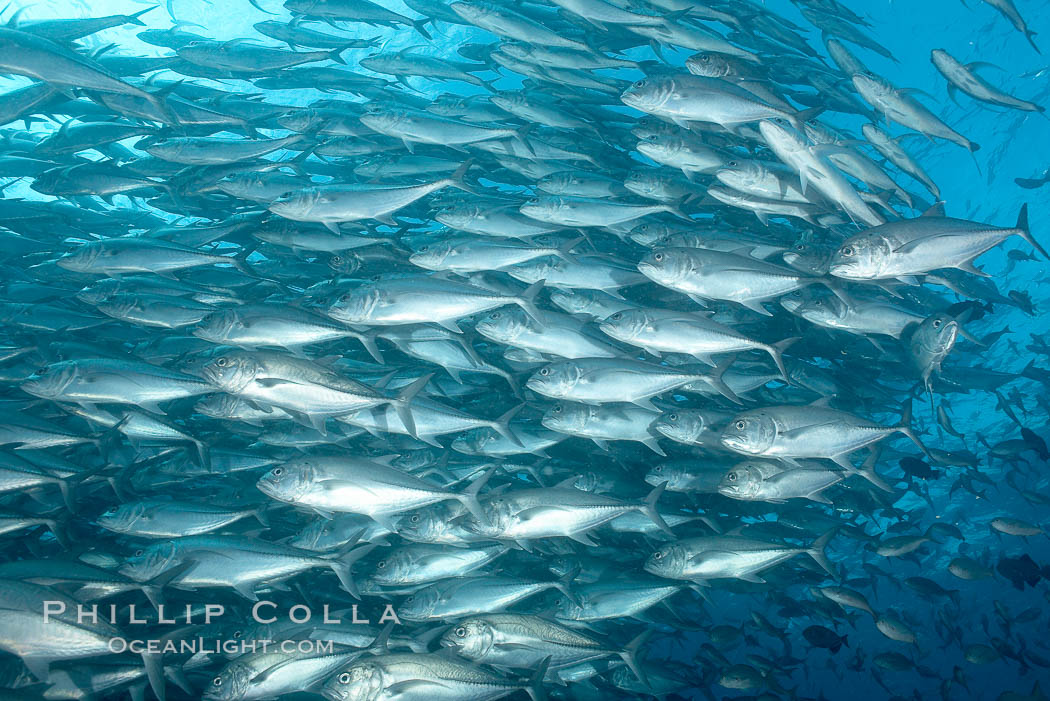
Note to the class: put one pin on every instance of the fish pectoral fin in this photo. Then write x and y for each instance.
(410, 687)
(751, 577)
(537, 512)
(798, 432)
(269, 671)
(707, 555)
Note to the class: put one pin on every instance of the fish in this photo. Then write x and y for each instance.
(964, 78)
(563, 350)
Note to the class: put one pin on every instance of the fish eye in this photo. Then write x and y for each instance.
(545, 371)
(278, 471)
(496, 315)
(138, 553)
(672, 417)
(936, 323)
(740, 425)
(337, 260)
(658, 468)
(705, 58)
(658, 257)
(556, 409)
(344, 678)
(381, 565)
(41, 371)
(617, 316)
(800, 247)
(424, 249)
(640, 84)
(658, 555)
(460, 632)
(732, 164)
(217, 681)
(731, 477)
(846, 250)
(221, 362)
(414, 518)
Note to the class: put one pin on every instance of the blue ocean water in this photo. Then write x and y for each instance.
(981, 188)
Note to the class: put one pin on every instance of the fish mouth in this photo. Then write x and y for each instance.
(38, 388)
(734, 443)
(646, 268)
(331, 694)
(842, 270)
(267, 487)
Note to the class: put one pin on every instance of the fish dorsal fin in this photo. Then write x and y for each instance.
(567, 483)
(937, 210)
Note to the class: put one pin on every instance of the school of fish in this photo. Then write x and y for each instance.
(622, 370)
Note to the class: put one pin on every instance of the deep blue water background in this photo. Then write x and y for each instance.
(1014, 144)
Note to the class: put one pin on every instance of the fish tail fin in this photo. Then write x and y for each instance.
(203, 453)
(402, 403)
(368, 340)
(1029, 35)
(154, 588)
(154, 672)
(1026, 232)
(67, 485)
(675, 210)
(336, 55)
(776, 351)
(260, 8)
(133, 18)
(342, 564)
(240, 263)
(562, 585)
(514, 387)
(58, 529)
(565, 250)
(469, 497)
(381, 645)
(867, 471)
(648, 507)
(716, 381)
(159, 99)
(421, 27)
(630, 655)
(799, 119)
(457, 179)
(522, 135)
(261, 516)
(534, 687)
(817, 552)
(527, 301)
(502, 426)
(905, 427)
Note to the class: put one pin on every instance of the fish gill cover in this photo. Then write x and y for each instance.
(582, 349)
